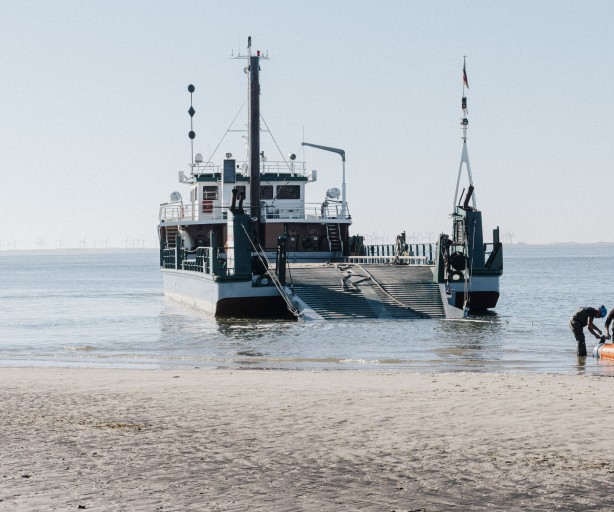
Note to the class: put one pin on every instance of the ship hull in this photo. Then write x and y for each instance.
(230, 298)
(483, 293)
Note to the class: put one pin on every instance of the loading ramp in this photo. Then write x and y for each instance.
(377, 291)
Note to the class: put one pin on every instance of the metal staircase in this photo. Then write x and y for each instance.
(334, 237)
(171, 236)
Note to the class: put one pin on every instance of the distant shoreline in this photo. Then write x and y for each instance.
(73, 250)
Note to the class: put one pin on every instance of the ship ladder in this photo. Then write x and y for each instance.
(334, 237)
(171, 236)
(265, 261)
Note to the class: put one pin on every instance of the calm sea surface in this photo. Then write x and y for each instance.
(107, 309)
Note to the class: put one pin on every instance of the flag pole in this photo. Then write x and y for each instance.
(464, 126)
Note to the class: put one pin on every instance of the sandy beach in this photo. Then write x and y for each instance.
(298, 440)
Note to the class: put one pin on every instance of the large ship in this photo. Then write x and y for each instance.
(223, 249)
(246, 243)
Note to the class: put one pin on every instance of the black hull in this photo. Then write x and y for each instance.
(478, 301)
(250, 307)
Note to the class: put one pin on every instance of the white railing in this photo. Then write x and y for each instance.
(170, 212)
(270, 167)
(281, 167)
(389, 260)
(175, 212)
(205, 168)
(274, 212)
(311, 211)
(325, 211)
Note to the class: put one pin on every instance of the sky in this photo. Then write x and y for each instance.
(94, 101)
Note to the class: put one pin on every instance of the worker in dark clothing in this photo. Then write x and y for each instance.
(582, 318)
(608, 321)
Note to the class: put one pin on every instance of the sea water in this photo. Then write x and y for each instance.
(106, 308)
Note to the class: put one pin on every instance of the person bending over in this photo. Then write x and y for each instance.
(583, 318)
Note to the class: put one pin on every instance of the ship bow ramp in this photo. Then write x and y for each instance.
(350, 291)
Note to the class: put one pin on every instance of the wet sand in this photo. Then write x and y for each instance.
(298, 440)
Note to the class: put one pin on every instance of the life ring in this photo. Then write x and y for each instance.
(207, 206)
(455, 276)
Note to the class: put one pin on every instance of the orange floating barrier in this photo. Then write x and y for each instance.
(604, 350)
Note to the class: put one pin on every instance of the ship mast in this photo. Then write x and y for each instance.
(465, 154)
(253, 140)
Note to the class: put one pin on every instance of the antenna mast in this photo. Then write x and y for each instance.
(253, 71)
(192, 135)
(465, 125)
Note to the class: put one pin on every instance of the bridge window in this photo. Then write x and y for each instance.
(266, 191)
(210, 192)
(288, 192)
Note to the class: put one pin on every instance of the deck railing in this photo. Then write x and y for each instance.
(169, 258)
(425, 251)
(176, 212)
(390, 260)
(294, 167)
(205, 259)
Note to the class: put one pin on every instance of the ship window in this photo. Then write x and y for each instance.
(210, 192)
(288, 192)
(459, 231)
(266, 191)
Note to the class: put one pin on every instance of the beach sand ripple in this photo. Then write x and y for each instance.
(235, 440)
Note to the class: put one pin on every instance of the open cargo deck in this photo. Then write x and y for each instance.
(356, 291)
